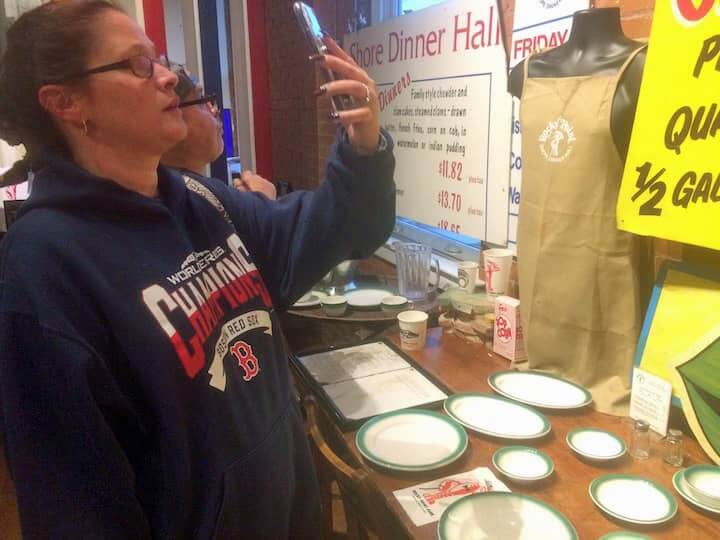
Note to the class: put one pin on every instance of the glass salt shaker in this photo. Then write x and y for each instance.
(673, 448)
(640, 440)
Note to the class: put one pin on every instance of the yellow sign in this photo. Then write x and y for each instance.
(671, 185)
(682, 320)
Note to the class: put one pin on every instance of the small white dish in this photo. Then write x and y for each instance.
(394, 303)
(624, 535)
(310, 299)
(411, 440)
(334, 306)
(595, 444)
(539, 389)
(523, 464)
(681, 486)
(501, 515)
(366, 298)
(633, 499)
(703, 482)
(496, 416)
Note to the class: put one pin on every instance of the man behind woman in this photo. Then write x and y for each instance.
(144, 390)
(204, 142)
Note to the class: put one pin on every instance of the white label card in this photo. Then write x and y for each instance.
(650, 400)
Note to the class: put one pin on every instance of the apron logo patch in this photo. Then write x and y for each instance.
(557, 140)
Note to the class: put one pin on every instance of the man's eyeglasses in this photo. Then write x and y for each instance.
(140, 65)
(211, 100)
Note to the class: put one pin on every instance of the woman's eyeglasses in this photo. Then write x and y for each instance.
(211, 100)
(140, 65)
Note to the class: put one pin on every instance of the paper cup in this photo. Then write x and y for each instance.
(497, 263)
(413, 329)
(467, 272)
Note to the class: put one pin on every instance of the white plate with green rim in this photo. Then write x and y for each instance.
(523, 464)
(366, 298)
(703, 481)
(411, 440)
(309, 299)
(496, 416)
(633, 499)
(497, 515)
(681, 486)
(624, 535)
(539, 389)
(596, 444)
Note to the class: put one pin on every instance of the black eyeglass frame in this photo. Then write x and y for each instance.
(212, 98)
(122, 64)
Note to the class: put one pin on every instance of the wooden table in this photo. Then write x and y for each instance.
(464, 367)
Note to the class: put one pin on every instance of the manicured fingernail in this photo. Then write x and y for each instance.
(334, 116)
(316, 57)
(320, 91)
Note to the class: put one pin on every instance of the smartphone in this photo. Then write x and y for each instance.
(313, 32)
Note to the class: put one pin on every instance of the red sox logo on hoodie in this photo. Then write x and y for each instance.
(208, 286)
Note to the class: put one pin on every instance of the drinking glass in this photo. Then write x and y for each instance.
(413, 263)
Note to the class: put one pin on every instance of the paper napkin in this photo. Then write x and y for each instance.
(426, 502)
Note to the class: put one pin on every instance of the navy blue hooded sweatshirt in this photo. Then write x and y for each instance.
(144, 385)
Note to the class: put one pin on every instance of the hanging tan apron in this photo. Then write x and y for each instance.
(578, 277)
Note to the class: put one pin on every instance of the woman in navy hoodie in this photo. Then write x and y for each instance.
(144, 389)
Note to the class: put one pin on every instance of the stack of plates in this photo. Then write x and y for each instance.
(539, 389)
(700, 485)
(499, 515)
(633, 499)
(411, 440)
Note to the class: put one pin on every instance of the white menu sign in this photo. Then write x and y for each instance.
(537, 25)
(650, 400)
(441, 75)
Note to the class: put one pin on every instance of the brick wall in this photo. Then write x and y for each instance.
(301, 131)
(636, 14)
(292, 104)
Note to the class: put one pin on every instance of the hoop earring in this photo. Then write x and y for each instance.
(85, 128)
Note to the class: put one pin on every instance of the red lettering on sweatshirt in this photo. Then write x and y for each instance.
(202, 300)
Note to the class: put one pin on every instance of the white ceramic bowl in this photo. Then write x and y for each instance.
(703, 482)
(595, 444)
(394, 303)
(334, 306)
(523, 464)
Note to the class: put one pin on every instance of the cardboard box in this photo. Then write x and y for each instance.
(508, 336)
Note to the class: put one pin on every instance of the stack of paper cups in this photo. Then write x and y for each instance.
(497, 264)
